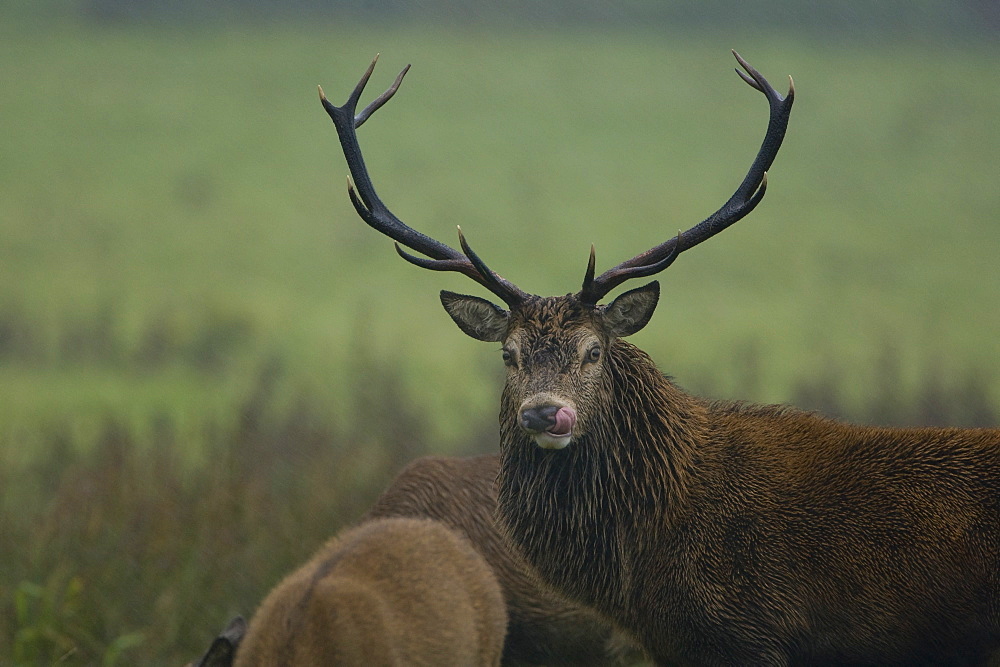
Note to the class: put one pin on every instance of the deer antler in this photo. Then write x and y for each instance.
(439, 257)
(746, 197)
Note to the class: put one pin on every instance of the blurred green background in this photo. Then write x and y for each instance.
(208, 363)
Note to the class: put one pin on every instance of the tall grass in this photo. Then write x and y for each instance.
(123, 552)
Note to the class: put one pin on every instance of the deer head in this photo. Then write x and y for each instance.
(560, 352)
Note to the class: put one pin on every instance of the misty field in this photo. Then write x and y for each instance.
(208, 363)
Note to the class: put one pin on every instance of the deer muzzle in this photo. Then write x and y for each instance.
(550, 424)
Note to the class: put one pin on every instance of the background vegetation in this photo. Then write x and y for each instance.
(208, 364)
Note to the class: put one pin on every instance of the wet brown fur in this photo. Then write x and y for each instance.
(543, 628)
(727, 533)
(394, 591)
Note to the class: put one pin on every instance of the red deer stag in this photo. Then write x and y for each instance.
(395, 591)
(717, 532)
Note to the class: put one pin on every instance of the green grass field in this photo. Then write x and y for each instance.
(190, 181)
(175, 223)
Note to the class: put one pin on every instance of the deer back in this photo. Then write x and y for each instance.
(389, 592)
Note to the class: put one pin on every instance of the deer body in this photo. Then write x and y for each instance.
(727, 533)
(716, 533)
(388, 592)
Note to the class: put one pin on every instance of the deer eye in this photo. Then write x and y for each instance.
(509, 359)
(593, 355)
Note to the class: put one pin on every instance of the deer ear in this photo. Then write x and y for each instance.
(223, 649)
(630, 311)
(477, 317)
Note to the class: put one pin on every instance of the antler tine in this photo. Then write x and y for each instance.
(506, 290)
(381, 99)
(472, 266)
(588, 277)
(744, 200)
(376, 214)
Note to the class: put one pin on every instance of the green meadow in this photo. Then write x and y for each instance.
(208, 363)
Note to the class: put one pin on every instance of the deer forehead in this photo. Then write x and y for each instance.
(557, 329)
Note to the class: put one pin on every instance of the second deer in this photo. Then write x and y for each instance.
(390, 592)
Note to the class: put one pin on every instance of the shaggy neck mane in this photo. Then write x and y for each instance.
(570, 510)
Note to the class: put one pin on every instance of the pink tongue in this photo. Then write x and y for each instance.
(565, 419)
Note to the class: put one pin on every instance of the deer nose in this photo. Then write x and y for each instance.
(539, 418)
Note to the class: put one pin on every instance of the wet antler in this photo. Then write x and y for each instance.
(439, 257)
(746, 197)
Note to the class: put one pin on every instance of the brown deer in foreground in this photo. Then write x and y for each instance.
(717, 532)
(543, 628)
(394, 591)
